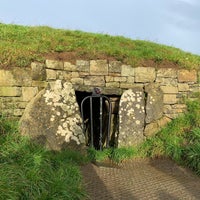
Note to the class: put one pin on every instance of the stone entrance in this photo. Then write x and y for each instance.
(114, 123)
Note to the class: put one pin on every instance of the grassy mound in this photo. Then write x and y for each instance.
(20, 45)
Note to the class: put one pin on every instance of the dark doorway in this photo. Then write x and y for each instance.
(114, 125)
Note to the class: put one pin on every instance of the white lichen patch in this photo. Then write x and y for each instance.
(137, 122)
(137, 106)
(65, 108)
(130, 112)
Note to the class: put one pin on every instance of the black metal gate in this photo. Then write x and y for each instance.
(96, 124)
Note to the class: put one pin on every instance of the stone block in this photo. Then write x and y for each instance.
(163, 121)
(183, 87)
(10, 91)
(112, 84)
(69, 67)
(167, 81)
(120, 79)
(75, 75)
(53, 64)
(28, 93)
(67, 75)
(187, 76)
(78, 81)
(169, 99)
(98, 67)
(83, 74)
(127, 85)
(39, 84)
(167, 73)
(94, 81)
(131, 79)
(168, 89)
(115, 91)
(151, 129)
(145, 74)
(15, 77)
(109, 79)
(179, 108)
(51, 74)
(154, 102)
(59, 74)
(18, 112)
(131, 117)
(22, 76)
(127, 70)
(38, 71)
(6, 78)
(114, 67)
(83, 65)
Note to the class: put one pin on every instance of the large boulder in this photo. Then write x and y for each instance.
(53, 119)
(131, 117)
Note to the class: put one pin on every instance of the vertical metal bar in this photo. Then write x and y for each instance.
(91, 124)
(109, 121)
(82, 115)
(101, 119)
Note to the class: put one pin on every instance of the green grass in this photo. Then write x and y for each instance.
(28, 171)
(20, 45)
(179, 140)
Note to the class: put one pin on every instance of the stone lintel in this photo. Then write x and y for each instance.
(94, 81)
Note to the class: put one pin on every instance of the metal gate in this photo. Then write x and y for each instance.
(96, 124)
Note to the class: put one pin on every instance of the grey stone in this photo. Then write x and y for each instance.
(38, 71)
(52, 118)
(54, 64)
(98, 67)
(83, 65)
(154, 103)
(94, 81)
(127, 70)
(114, 67)
(131, 117)
(10, 91)
(145, 74)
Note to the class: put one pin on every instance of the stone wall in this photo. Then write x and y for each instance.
(18, 86)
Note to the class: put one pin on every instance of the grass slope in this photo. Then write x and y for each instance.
(20, 45)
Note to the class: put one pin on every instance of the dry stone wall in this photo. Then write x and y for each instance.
(162, 89)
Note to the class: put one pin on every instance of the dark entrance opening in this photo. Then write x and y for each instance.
(114, 123)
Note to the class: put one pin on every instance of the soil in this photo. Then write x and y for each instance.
(73, 56)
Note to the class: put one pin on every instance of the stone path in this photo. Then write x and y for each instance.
(140, 179)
